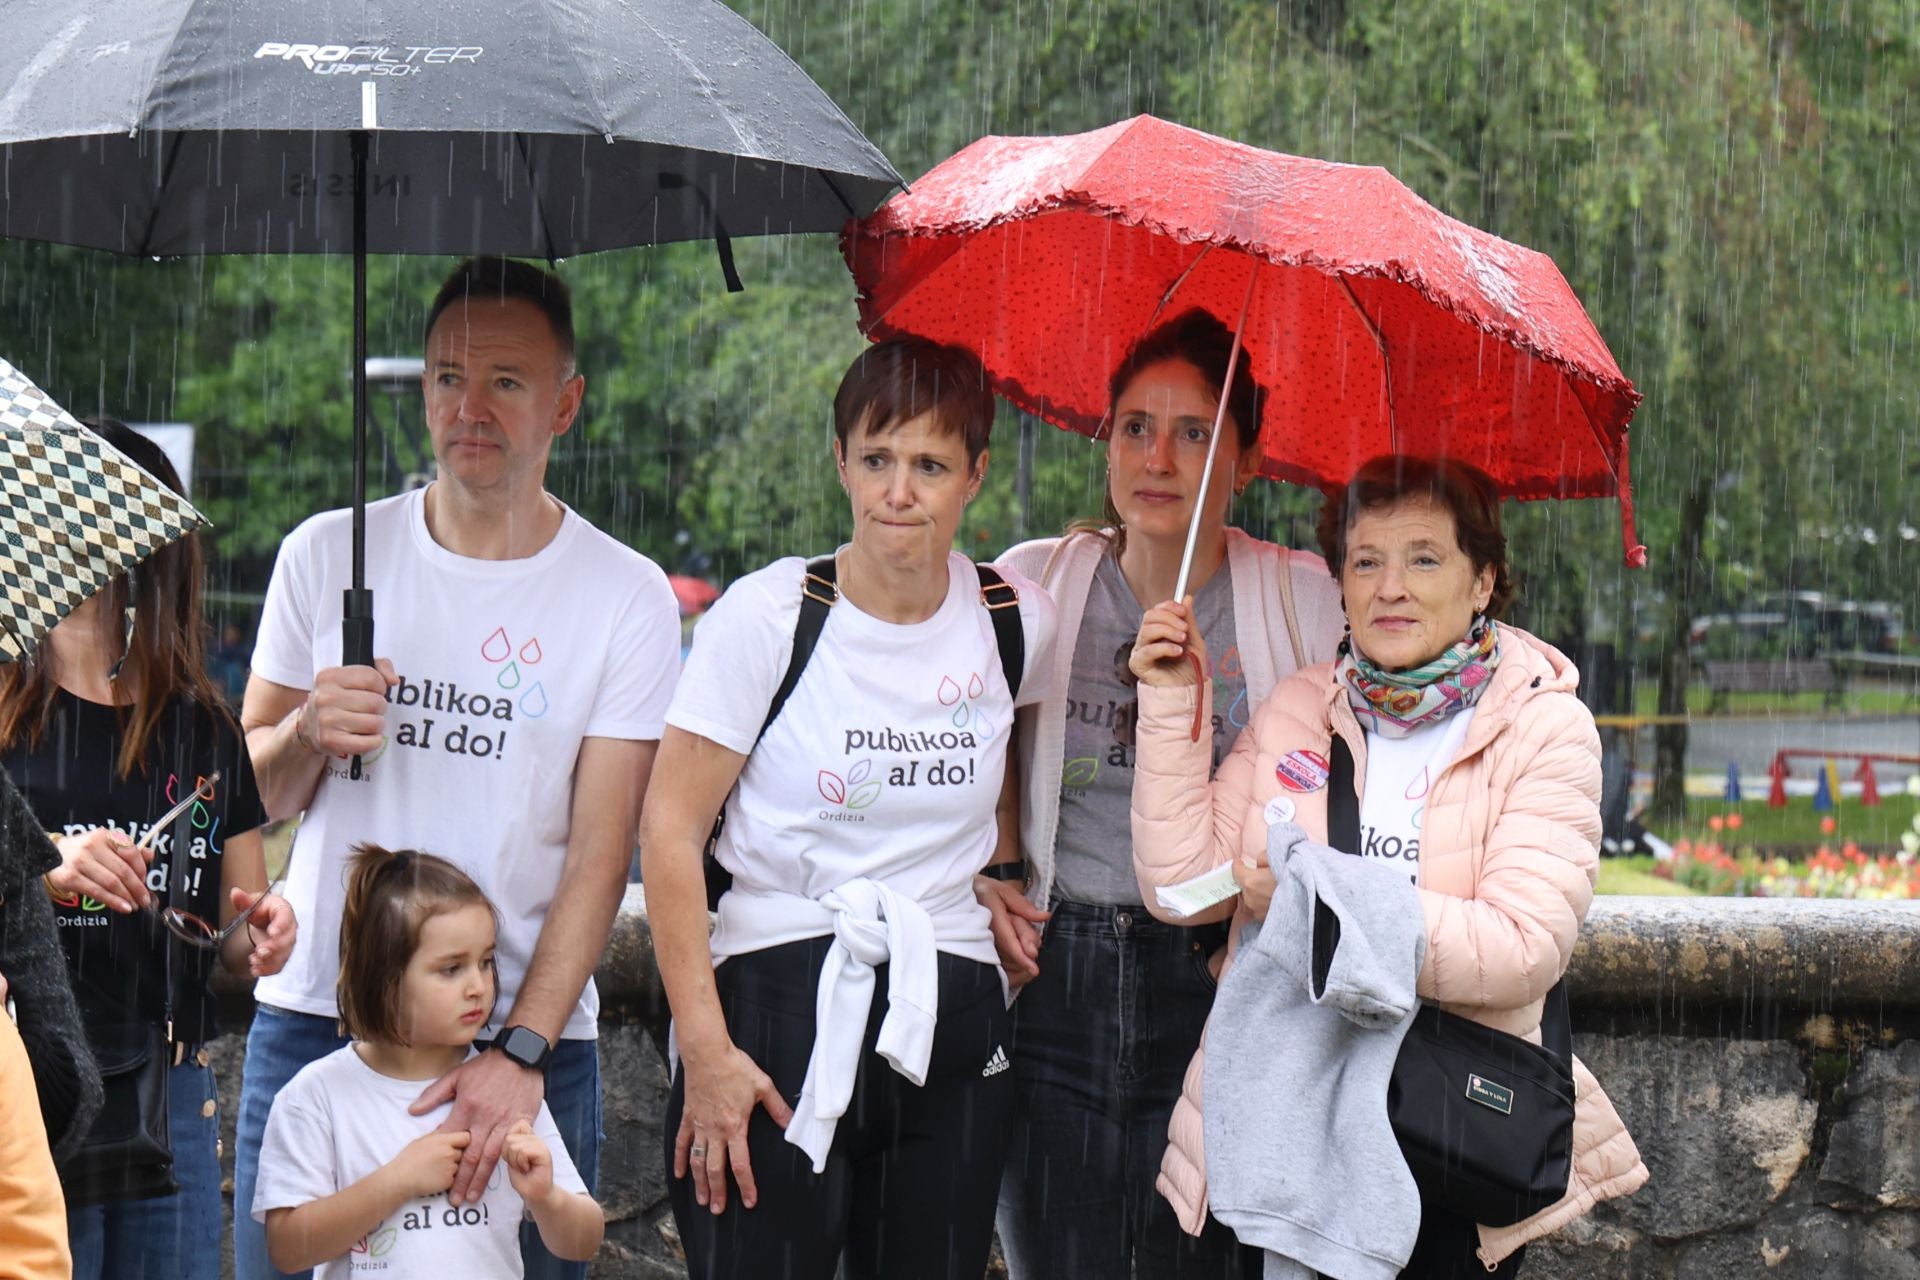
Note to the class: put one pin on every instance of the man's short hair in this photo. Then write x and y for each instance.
(499, 279)
(894, 382)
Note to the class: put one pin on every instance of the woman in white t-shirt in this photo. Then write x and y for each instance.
(858, 1131)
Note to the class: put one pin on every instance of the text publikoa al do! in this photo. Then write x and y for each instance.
(441, 715)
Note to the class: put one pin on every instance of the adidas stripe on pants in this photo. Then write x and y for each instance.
(914, 1172)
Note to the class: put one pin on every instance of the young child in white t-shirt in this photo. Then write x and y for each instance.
(350, 1182)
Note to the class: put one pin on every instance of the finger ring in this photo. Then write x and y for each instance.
(699, 1149)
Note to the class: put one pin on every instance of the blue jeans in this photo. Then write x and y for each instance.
(174, 1237)
(281, 1042)
(1102, 1040)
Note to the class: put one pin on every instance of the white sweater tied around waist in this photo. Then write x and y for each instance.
(871, 924)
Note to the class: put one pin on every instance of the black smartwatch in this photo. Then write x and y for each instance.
(1015, 872)
(525, 1046)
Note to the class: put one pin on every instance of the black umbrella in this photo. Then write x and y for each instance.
(534, 128)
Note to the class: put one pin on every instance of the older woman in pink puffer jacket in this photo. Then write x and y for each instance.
(1478, 771)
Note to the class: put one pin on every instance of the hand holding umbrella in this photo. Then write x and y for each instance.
(1170, 645)
(345, 713)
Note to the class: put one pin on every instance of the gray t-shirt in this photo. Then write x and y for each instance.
(1093, 852)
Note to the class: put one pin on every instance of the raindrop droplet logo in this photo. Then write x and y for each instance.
(857, 791)
(965, 715)
(498, 650)
(533, 704)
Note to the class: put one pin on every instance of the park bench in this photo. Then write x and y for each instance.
(1773, 675)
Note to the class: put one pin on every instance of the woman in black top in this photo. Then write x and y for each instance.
(111, 724)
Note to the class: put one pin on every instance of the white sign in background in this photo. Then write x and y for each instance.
(176, 438)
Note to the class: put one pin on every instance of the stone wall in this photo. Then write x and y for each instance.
(1765, 1055)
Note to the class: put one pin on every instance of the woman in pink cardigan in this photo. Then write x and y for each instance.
(1478, 771)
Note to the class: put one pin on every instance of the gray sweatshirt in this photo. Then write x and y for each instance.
(1301, 1160)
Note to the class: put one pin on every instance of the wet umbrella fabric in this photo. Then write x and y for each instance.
(1376, 325)
(535, 128)
(76, 513)
(538, 128)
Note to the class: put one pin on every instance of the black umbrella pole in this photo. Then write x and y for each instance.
(356, 614)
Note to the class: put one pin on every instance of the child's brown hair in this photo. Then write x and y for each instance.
(390, 896)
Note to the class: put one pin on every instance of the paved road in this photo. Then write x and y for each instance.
(1752, 743)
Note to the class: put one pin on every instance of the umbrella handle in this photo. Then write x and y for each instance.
(356, 640)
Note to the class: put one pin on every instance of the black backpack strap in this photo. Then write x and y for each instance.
(1343, 803)
(1002, 600)
(1343, 833)
(819, 592)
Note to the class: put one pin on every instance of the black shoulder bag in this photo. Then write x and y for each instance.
(819, 591)
(128, 1154)
(1484, 1119)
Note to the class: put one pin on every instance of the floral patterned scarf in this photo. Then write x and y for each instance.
(1397, 703)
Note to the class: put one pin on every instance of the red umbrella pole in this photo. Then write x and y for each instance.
(1206, 482)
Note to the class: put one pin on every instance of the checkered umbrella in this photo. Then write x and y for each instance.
(76, 513)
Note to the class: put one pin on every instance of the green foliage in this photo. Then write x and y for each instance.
(1727, 185)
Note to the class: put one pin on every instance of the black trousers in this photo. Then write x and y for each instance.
(1102, 1040)
(913, 1173)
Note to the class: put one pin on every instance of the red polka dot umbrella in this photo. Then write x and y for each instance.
(1375, 323)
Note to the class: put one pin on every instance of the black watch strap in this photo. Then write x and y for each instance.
(1012, 871)
(525, 1046)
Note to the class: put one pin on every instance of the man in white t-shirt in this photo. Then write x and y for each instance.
(527, 661)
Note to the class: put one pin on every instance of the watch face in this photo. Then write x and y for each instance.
(524, 1046)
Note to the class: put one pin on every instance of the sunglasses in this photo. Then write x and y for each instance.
(184, 924)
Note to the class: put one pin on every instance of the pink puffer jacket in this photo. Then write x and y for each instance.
(1508, 853)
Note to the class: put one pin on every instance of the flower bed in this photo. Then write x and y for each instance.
(1709, 867)
(1747, 851)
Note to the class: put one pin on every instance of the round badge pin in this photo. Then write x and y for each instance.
(1302, 771)
(1279, 810)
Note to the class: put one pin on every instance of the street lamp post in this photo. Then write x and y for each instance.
(399, 377)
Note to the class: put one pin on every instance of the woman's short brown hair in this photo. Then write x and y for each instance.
(1463, 491)
(896, 381)
(390, 897)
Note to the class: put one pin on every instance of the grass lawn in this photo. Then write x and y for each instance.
(1866, 699)
(1873, 829)
(1635, 875)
